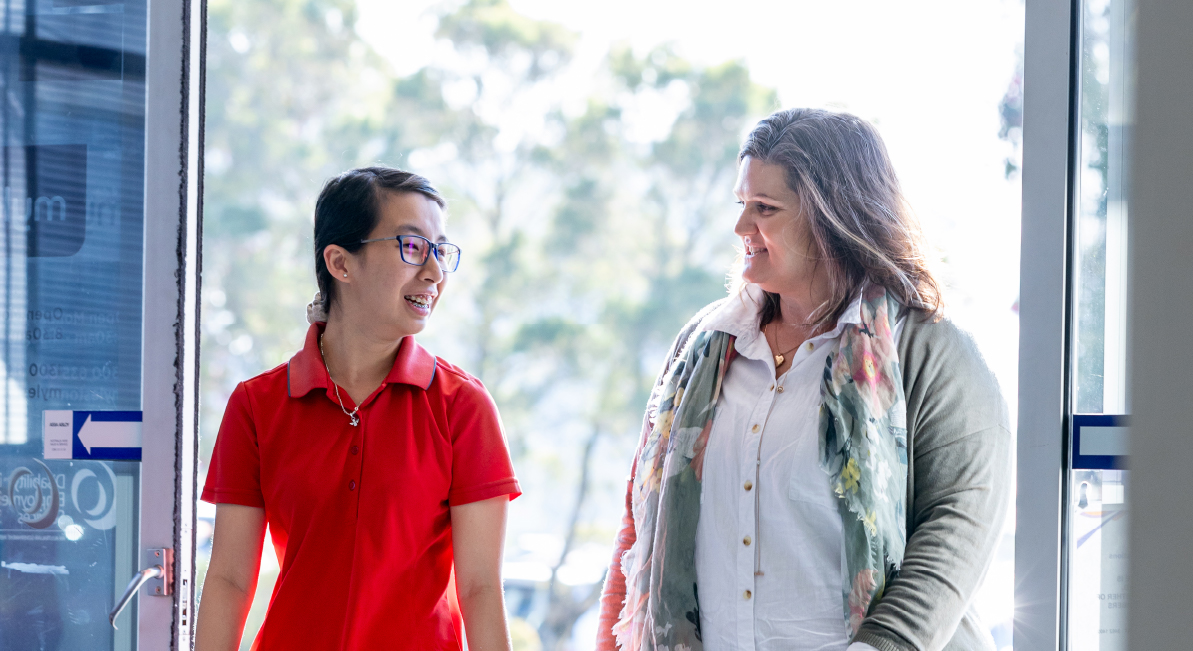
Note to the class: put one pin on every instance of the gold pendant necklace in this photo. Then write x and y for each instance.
(781, 357)
(352, 418)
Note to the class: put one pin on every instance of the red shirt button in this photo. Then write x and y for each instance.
(354, 450)
(352, 485)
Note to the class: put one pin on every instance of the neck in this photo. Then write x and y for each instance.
(796, 307)
(358, 358)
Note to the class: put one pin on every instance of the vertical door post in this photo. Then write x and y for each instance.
(173, 173)
(1043, 400)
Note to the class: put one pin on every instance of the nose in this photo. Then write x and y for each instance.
(745, 223)
(431, 271)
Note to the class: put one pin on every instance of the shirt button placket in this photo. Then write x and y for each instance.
(354, 456)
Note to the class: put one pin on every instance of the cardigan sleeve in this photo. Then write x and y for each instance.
(959, 478)
(613, 594)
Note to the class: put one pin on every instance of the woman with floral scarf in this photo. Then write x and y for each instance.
(825, 459)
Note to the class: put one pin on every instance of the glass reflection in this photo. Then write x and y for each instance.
(1098, 560)
(72, 73)
(1101, 185)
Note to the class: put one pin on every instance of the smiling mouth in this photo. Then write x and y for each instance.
(422, 302)
(754, 249)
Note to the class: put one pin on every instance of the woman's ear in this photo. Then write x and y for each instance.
(336, 259)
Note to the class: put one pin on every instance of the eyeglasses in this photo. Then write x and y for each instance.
(416, 248)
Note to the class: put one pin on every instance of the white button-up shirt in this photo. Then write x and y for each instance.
(765, 446)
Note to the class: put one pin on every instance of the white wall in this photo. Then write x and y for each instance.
(1161, 235)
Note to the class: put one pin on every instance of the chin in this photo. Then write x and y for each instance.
(403, 325)
(413, 326)
(753, 276)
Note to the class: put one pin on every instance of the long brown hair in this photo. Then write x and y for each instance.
(862, 229)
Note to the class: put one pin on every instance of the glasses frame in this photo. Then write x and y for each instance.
(433, 248)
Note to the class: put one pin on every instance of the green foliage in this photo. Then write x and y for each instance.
(494, 28)
(584, 252)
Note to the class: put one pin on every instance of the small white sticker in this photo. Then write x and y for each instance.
(58, 434)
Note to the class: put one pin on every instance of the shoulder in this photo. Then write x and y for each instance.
(274, 382)
(456, 384)
(931, 337)
(708, 309)
(945, 374)
(694, 323)
(685, 333)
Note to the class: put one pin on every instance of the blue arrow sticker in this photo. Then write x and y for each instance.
(114, 435)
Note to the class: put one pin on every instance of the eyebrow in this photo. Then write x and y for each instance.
(411, 228)
(761, 195)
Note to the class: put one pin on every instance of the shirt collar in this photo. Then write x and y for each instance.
(738, 316)
(306, 372)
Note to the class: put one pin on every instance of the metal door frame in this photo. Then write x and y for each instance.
(1044, 310)
(175, 75)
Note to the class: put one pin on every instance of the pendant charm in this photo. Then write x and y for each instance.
(779, 360)
(355, 421)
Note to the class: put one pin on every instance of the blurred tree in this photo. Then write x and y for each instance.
(670, 245)
(585, 248)
(1094, 189)
(289, 84)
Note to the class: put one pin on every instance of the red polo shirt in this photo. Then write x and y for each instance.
(359, 516)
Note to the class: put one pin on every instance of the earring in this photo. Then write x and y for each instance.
(345, 275)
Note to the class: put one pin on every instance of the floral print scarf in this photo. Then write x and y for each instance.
(863, 452)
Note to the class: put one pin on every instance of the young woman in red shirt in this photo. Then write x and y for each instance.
(376, 466)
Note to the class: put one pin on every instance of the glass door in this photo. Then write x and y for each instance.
(78, 351)
(1098, 487)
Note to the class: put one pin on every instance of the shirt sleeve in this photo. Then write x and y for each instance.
(481, 466)
(234, 476)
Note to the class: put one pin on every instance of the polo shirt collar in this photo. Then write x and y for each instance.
(306, 372)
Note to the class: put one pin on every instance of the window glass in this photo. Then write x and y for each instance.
(1098, 553)
(1100, 203)
(588, 154)
(1098, 482)
(72, 125)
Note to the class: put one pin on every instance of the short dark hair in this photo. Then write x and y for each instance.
(349, 208)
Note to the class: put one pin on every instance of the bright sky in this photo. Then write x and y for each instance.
(929, 73)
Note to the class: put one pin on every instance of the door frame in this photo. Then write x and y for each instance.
(175, 75)
(1049, 75)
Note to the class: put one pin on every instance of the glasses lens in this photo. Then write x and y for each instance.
(414, 249)
(449, 256)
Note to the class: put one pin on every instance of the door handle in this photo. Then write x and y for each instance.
(160, 570)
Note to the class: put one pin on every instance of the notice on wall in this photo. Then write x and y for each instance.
(91, 435)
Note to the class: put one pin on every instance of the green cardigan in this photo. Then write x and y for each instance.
(958, 485)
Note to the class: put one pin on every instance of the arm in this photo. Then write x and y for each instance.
(478, 537)
(613, 595)
(960, 475)
(231, 577)
(961, 501)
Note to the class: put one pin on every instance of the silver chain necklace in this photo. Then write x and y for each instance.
(352, 418)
